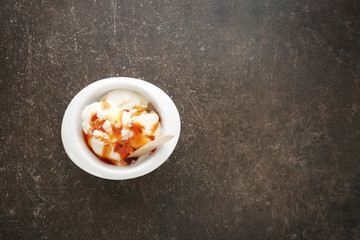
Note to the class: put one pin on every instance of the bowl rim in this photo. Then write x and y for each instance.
(76, 148)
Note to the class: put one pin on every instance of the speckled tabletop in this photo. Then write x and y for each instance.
(269, 97)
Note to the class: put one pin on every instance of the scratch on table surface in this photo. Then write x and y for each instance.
(113, 6)
(30, 57)
(348, 25)
(321, 44)
(139, 22)
(207, 227)
(157, 15)
(275, 56)
(199, 115)
(125, 45)
(316, 221)
(102, 47)
(74, 14)
(296, 57)
(313, 33)
(75, 82)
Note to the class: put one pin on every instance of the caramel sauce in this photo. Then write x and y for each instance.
(105, 105)
(123, 147)
(87, 138)
(138, 139)
(116, 131)
(128, 161)
(94, 118)
(107, 161)
(139, 111)
(106, 151)
(155, 127)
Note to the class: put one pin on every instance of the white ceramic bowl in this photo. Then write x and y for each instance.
(75, 147)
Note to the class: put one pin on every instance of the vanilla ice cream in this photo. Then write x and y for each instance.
(118, 125)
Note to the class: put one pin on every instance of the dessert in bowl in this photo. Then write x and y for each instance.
(120, 115)
(122, 122)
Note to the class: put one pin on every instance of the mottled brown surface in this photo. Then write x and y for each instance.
(269, 97)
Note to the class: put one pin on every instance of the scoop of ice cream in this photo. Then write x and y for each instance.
(125, 99)
(119, 124)
(101, 110)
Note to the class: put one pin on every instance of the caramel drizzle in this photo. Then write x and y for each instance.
(123, 147)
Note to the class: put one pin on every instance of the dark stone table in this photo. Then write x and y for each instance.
(269, 97)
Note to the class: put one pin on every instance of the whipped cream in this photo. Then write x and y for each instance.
(119, 124)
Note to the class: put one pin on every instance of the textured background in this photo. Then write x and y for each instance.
(269, 97)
